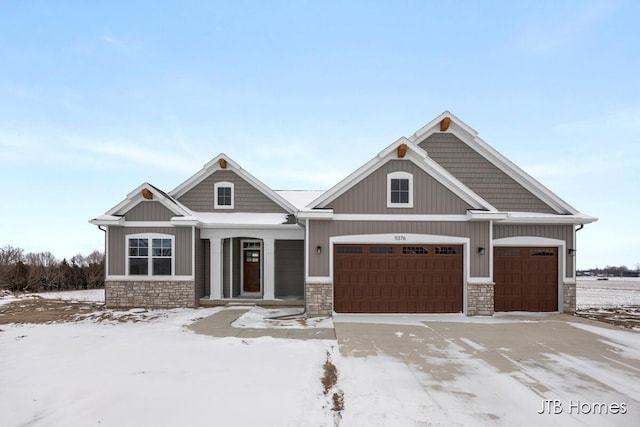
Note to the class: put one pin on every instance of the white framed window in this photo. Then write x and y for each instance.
(150, 255)
(223, 196)
(399, 190)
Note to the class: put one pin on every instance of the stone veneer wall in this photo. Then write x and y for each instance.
(480, 300)
(319, 299)
(569, 298)
(148, 294)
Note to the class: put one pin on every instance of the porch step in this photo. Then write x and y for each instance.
(206, 302)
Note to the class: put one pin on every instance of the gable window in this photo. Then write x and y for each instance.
(150, 255)
(399, 190)
(223, 195)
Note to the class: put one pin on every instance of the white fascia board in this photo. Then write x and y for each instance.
(107, 220)
(185, 220)
(434, 126)
(515, 218)
(316, 214)
(209, 168)
(432, 168)
(135, 197)
(469, 136)
(400, 217)
(251, 226)
(214, 166)
(476, 215)
(421, 159)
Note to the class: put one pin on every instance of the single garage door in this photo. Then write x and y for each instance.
(526, 279)
(398, 278)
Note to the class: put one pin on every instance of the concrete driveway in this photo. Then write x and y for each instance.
(507, 370)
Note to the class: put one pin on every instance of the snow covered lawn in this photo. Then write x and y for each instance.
(145, 368)
(156, 373)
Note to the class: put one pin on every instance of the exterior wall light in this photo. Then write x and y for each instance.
(572, 252)
(318, 250)
(480, 250)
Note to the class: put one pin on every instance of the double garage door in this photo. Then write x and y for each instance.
(398, 278)
(526, 279)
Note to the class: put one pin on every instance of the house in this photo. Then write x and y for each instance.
(438, 222)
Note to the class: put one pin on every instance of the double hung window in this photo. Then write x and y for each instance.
(150, 255)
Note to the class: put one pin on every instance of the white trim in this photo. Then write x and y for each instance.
(408, 238)
(150, 237)
(470, 137)
(400, 217)
(120, 278)
(257, 233)
(242, 261)
(135, 197)
(400, 175)
(420, 158)
(214, 165)
(230, 239)
(223, 184)
(318, 280)
(316, 214)
(480, 281)
(517, 218)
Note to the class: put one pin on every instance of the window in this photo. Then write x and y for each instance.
(381, 250)
(157, 262)
(415, 250)
(399, 190)
(348, 249)
(223, 195)
(447, 250)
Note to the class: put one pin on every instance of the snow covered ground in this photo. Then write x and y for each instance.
(614, 292)
(158, 373)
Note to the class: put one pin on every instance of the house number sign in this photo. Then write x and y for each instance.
(400, 237)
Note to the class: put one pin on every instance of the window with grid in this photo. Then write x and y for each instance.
(157, 262)
(223, 195)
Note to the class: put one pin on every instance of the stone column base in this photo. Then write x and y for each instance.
(480, 299)
(569, 298)
(319, 299)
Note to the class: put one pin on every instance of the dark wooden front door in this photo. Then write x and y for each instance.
(398, 278)
(251, 271)
(526, 279)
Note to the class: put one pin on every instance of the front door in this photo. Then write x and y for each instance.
(251, 271)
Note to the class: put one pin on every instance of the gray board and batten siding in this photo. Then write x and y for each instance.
(481, 176)
(246, 197)
(118, 253)
(321, 231)
(559, 232)
(289, 268)
(149, 211)
(369, 196)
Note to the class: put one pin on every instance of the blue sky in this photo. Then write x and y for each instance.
(98, 97)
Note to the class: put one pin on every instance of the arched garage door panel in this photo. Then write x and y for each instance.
(398, 278)
(526, 279)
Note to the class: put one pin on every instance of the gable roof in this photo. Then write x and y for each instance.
(470, 137)
(419, 157)
(135, 197)
(215, 165)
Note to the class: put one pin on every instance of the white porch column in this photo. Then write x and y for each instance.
(269, 268)
(215, 265)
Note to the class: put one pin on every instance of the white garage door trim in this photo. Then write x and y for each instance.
(402, 238)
